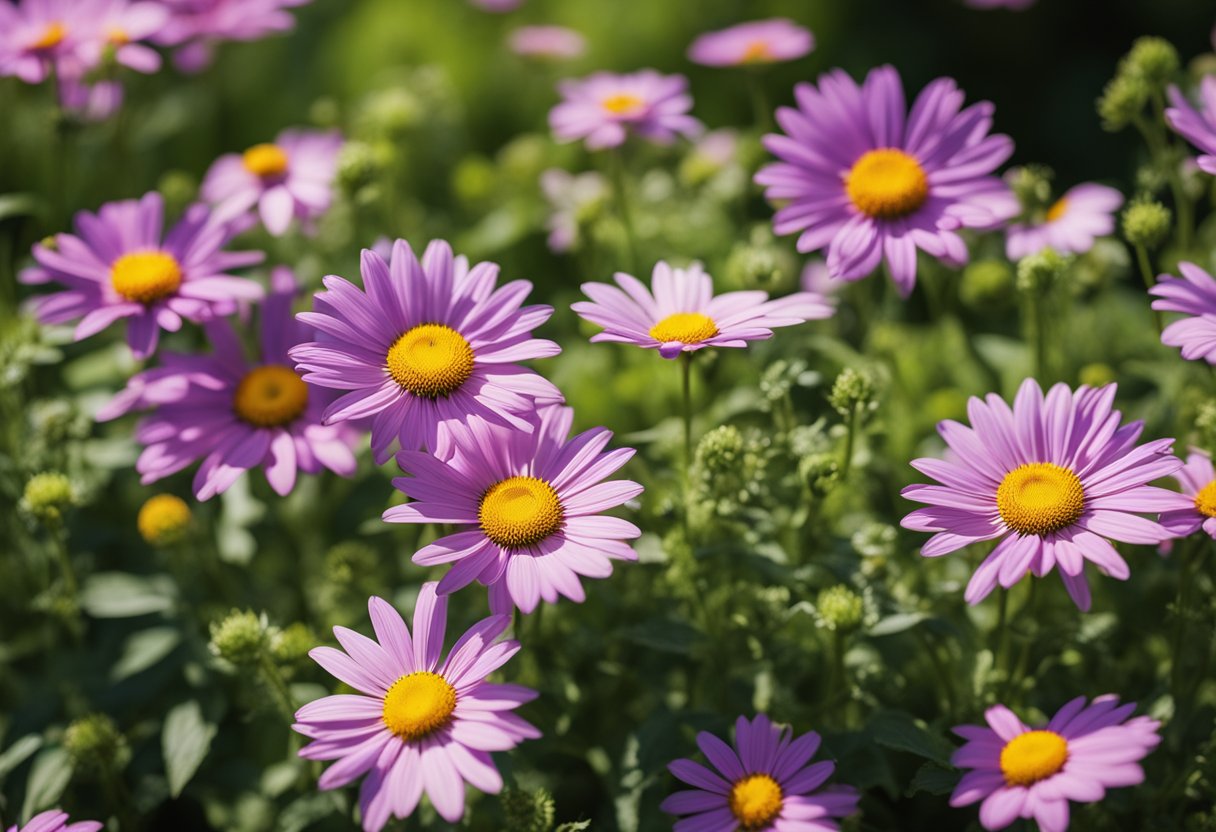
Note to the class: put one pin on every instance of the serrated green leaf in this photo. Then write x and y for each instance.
(49, 776)
(185, 741)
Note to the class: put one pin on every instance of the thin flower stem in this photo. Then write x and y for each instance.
(763, 112)
(287, 705)
(686, 375)
(621, 192)
(846, 462)
(1150, 280)
(59, 540)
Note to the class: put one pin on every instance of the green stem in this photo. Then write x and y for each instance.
(760, 106)
(686, 386)
(1182, 202)
(1150, 280)
(846, 462)
(287, 705)
(621, 192)
(1001, 634)
(59, 540)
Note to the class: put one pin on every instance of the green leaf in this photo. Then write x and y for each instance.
(144, 649)
(185, 741)
(49, 776)
(574, 826)
(18, 753)
(933, 779)
(897, 623)
(901, 732)
(123, 595)
(21, 205)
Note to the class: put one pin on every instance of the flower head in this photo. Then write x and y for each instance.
(417, 722)
(755, 42)
(1055, 478)
(195, 26)
(551, 42)
(763, 783)
(528, 507)
(682, 314)
(426, 342)
(56, 821)
(120, 28)
(1194, 296)
(1198, 480)
(235, 415)
(120, 265)
(1071, 224)
(870, 181)
(38, 36)
(290, 178)
(605, 108)
(1019, 771)
(1197, 126)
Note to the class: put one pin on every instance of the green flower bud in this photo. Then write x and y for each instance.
(875, 540)
(1096, 375)
(241, 638)
(349, 562)
(291, 645)
(95, 744)
(47, 496)
(759, 263)
(526, 811)
(1153, 59)
(1146, 223)
(839, 608)
(819, 471)
(1039, 271)
(1031, 184)
(852, 391)
(1122, 101)
(164, 520)
(720, 450)
(984, 282)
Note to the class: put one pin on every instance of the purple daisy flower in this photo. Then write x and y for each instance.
(1055, 478)
(235, 415)
(426, 343)
(38, 36)
(1193, 295)
(755, 42)
(868, 183)
(1070, 225)
(119, 265)
(291, 178)
(763, 783)
(604, 108)
(1023, 772)
(552, 42)
(416, 723)
(56, 821)
(195, 26)
(529, 505)
(1198, 480)
(1196, 126)
(121, 26)
(684, 316)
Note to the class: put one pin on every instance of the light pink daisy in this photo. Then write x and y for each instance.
(121, 26)
(1023, 772)
(1198, 481)
(1197, 126)
(605, 108)
(1193, 295)
(553, 42)
(417, 722)
(56, 821)
(684, 316)
(756, 42)
(38, 37)
(1070, 226)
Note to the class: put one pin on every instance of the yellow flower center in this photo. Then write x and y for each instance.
(431, 360)
(1057, 210)
(755, 801)
(757, 52)
(685, 327)
(163, 519)
(265, 160)
(520, 511)
(270, 396)
(418, 704)
(1040, 498)
(145, 276)
(623, 104)
(887, 184)
(1033, 756)
(1205, 500)
(52, 36)
(117, 36)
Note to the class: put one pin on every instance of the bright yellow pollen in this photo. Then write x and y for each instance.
(520, 511)
(1059, 209)
(685, 327)
(431, 360)
(1040, 498)
(117, 36)
(887, 184)
(270, 396)
(418, 704)
(163, 519)
(755, 801)
(265, 160)
(1205, 500)
(757, 52)
(1033, 756)
(145, 276)
(52, 36)
(623, 104)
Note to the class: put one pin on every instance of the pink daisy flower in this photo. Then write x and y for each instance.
(234, 415)
(1023, 772)
(554, 42)
(756, 42)
(1071, 224)
(528, 506)
(1194, 296)
(122, 26)
(1198, 481)
(291, 178)
(869, 181)
(1196, 126)
(423, 344)
(684, 316)
(763, 783)
(38, 36)
(605, 108)
(1055, 478)
(417, 722)
(196, 26)
(56, 821)
(119, 265)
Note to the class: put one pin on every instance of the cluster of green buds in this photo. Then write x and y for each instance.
(839, 609)
(47, 498)
(760, 263)
(1142, 75)
(729, 470)
(242, 637)
(95, 745)
(1146, 223)
(528, 811)
(1040, 272)
(855, 391)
